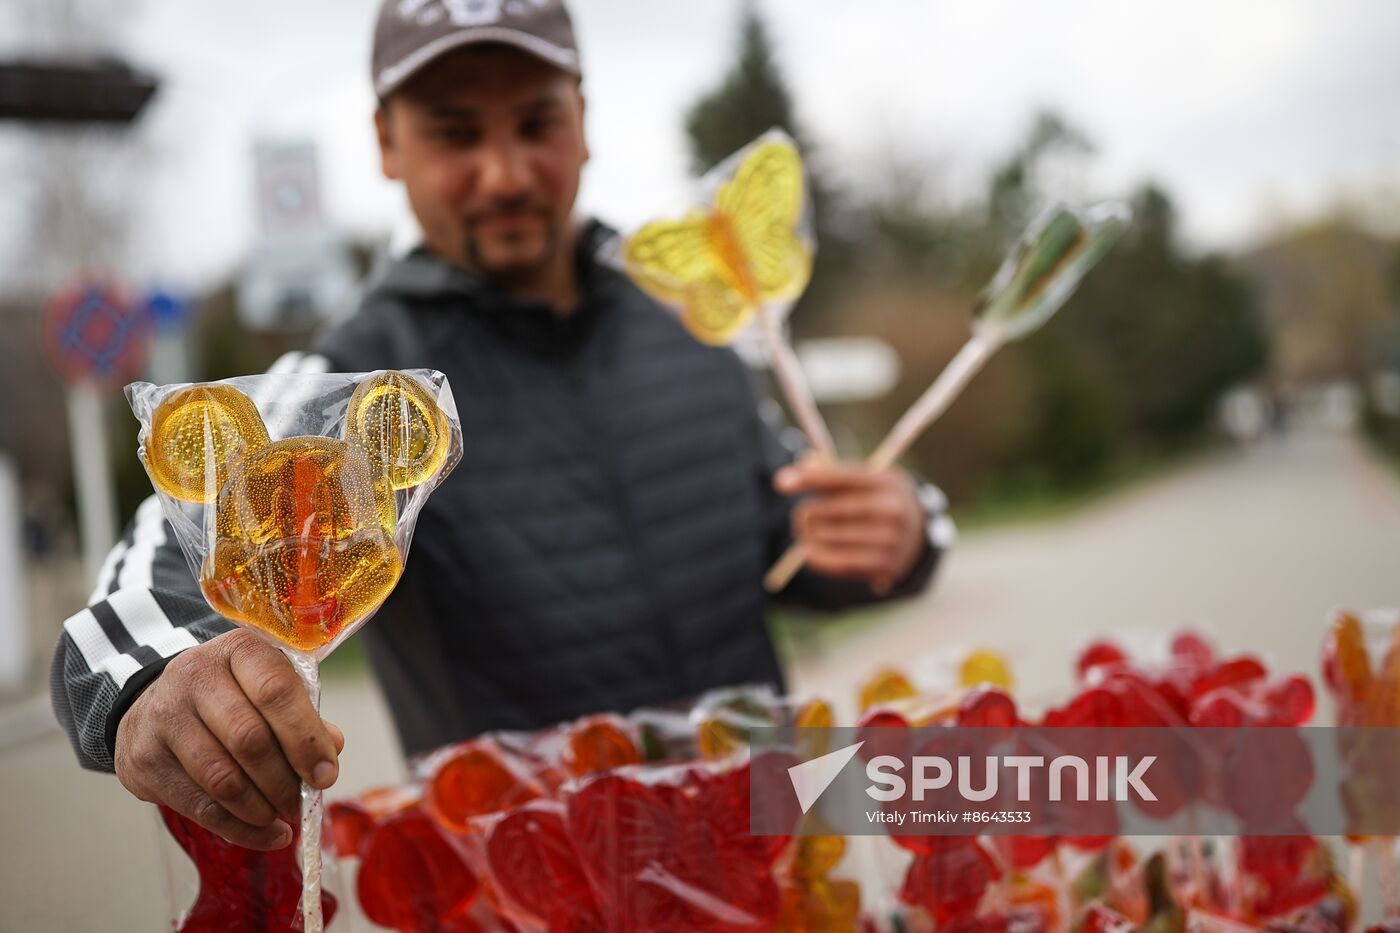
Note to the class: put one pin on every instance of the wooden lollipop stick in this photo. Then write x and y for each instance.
(933, 403)
(789, 372)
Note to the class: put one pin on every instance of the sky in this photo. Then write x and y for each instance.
(1251, 113)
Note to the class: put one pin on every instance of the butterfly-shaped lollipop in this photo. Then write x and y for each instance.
(300, 538)
(1039, 275)
(746, 254)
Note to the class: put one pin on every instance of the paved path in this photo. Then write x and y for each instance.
(1253, 546)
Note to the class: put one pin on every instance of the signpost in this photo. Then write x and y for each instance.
(96, 338)
(169, 312)
(14, 624)
(300, 273)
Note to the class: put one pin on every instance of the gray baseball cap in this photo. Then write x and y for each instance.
(410, 34)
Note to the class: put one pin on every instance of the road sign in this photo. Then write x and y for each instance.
(300, 273)
(289, 190)
(168, 310)
(95, 333)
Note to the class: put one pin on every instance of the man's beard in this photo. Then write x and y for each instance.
(514, 272)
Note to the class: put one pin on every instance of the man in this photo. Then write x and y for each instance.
(602, 543)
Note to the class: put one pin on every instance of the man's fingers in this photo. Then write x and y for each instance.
(849, 563)
(242, 730)
(268, 680)
(337, 736)
(209, 765)
(182, 791)
(850, 536)
(816, 475)
(877, 507)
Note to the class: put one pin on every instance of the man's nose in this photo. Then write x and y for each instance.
(503, 172)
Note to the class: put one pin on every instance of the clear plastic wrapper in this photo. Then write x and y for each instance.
(746, 250)
(743, 255)
(293, 498)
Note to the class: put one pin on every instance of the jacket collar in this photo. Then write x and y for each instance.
(423, 278)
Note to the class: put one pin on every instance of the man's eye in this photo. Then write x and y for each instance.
(457, 135)
(536, 127)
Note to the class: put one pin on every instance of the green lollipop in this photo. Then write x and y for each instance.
(1037, 277)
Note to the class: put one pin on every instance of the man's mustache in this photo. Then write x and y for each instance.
(513, 208)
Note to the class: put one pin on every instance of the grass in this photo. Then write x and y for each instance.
(1043, 501)
(1386, 453)
(348, 660)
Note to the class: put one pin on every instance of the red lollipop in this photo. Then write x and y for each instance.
(882, 731)
(1098, 654)
(1276, 859)
(1101, 919)
(1235, 672)
(1091, 707)
(351, 821)
(949, 881)
(1290, 701)
(1024, 852)
(412, 878)
(475, 778)
(723, 805)
(624, 832)
(240, 890)
(1192, 651)
(1224, 708)
(1141, 701)
(717, 855)
(534, 864)
(987, 708)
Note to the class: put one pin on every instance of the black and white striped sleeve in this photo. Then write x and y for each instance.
(145, 608)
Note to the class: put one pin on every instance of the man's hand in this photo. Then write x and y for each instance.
(858, 522)
(225, 735)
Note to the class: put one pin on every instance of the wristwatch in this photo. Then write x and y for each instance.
(941, 531)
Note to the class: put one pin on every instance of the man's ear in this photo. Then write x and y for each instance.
(384, 132)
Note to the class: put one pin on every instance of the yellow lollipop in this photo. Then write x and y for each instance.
(201, 425)
(720, 264)
(984, 666)
(305, 542)
(304, 527)
(885, 687)
(395, 418)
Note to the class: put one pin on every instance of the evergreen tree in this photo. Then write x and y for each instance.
(751, 99)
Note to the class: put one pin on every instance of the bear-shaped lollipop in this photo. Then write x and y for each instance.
(303, 535)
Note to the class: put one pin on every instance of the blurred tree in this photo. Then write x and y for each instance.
(751, 99)
(1135, 363)
(1015, 193)
(1161, 333)
(1331, 293)
(1329, 290)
